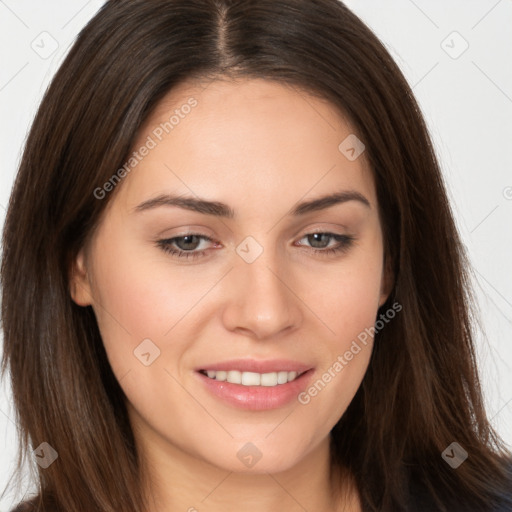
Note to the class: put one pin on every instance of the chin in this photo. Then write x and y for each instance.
(258, 457)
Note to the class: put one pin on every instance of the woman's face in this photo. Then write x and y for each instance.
(232, 277)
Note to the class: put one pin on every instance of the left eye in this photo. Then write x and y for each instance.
(189, 242)
(321, 240)
(320, 243)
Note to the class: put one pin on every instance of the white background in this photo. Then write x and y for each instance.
(467, 102)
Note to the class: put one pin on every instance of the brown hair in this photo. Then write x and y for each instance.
(421, 391)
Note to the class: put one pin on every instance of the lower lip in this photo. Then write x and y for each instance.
(257, 398)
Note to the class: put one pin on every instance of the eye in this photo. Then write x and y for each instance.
(320, 242)
(184, 246)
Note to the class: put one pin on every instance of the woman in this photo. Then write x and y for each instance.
(195, 169)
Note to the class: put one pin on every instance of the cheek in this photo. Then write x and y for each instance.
(136, 299)
(350, 309)
(350, 312)
(348, 304)
(346, 296)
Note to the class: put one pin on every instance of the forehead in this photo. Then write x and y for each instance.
(242, 139)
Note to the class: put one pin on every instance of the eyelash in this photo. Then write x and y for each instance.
(344, 241)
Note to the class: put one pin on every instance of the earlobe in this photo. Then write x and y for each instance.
(79, 286)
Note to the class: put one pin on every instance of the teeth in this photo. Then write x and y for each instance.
(252, 378)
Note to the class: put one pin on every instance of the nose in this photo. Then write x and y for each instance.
(261, 301)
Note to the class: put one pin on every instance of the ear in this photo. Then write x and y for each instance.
(79, 285)
(387, 281)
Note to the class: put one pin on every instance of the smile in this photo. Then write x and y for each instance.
(252, 378)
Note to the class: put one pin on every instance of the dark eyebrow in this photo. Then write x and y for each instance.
(219, 209)
(188, 203)
(324, 202)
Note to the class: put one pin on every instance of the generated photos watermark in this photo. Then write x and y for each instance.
(343, 360)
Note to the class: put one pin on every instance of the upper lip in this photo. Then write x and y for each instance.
(253, 365)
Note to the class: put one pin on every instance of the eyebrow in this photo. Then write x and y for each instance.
(219, 209)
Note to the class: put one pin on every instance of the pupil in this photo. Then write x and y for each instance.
(317, 238)
(187, 241)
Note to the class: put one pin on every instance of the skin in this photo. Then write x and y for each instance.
(260, 147)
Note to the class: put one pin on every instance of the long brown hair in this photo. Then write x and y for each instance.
(421, 391)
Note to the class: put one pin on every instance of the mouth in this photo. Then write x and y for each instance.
(256, 385)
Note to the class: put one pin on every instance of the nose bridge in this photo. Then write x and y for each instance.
(261, 301)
